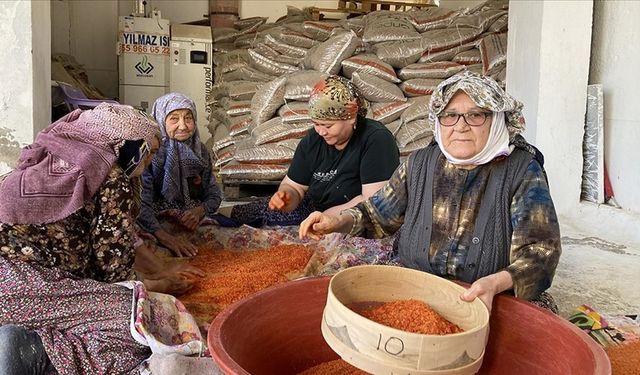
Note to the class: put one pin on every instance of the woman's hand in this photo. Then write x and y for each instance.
(487, 287)
(177, 245)
(280, 200)
(318, 224)
(191, 218)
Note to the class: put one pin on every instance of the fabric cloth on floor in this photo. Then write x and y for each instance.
(83, 324)
(606, 330)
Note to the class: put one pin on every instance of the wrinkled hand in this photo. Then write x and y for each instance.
(179, 246)
(483, 288)
(317, 225)
(191, 218)
(176, 279)
(280, 200)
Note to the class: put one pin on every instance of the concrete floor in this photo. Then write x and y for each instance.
(598, 269)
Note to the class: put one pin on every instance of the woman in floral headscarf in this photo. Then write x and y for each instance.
(344, 160)
(473, 206)
(180, 182)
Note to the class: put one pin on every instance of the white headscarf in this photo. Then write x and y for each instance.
(497, 143)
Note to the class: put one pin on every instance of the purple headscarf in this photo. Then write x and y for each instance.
(176, 160)
(68, 161)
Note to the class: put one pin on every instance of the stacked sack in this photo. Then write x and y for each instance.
(265, 72)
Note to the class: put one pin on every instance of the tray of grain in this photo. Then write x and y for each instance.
(380, 349)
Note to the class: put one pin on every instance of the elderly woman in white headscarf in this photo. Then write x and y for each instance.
(180, 181)
(473, 206)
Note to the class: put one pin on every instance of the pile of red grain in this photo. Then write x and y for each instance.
(233, 275)
(625, 358)
(337, 367)
(411, 316)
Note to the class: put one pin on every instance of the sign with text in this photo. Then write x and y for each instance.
(143, 43)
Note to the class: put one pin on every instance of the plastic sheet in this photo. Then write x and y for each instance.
(267, 99)
(328, 56)
(419, 86)
(376, 89)
(430, 70)
(369, 64)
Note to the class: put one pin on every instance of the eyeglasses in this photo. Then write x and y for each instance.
(471, 118)
(142, 152)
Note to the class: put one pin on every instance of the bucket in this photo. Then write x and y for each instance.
(277, 331)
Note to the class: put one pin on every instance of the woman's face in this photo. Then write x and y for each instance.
(336, 133)
(180, 124)
(153, 149)
(461, 140)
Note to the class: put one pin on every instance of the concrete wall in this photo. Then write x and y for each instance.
(25, 98)
(615, 62)
(548, 59)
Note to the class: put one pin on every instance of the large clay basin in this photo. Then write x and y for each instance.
(277, 331)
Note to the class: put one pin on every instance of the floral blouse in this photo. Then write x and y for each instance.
(457, 193)
(95, 242)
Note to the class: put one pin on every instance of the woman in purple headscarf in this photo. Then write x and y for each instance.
(180, 182)
(67, 234)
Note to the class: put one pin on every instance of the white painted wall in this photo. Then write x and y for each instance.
(615, 63)
(180, 11)
(25, 98)
(275, 9)
(549, 60)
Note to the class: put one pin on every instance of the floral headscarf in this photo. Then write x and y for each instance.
(485, 92)
(176, 160)
(335, 98)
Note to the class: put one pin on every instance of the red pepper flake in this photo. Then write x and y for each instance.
(411, 316)
(625, 358)
(233, 275)
(337, 367)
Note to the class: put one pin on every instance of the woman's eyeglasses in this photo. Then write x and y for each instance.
(471, 118)
(135, 161)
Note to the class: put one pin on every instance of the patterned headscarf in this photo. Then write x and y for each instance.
(336, 98)
(68, 162)
(485, 92)
(176, 160)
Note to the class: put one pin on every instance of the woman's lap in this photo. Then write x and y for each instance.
(83, 324)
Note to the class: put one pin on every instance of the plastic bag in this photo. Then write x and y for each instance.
(430, 70)
(247, 23)
(319, 30)
(244, 171)
(269, 66)
(242, 90)
(387, 112)
(443, 39)
(446, 55)
(415, 145)
(419, 86)
(376, 89)
(283, 48)
(370, 64)
(300, 84)
(267, 99)
(493, 49)
(328, 56)
(240, 125)
(431, 18)
(388, 26)
(239, 107)
(419, 109)
(294, 112)
(400, 54)
(271, 153)
(275, 130)
(297, 39)
(413, 131)
(469, 57)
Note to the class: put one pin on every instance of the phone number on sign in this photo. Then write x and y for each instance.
(141, 48)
